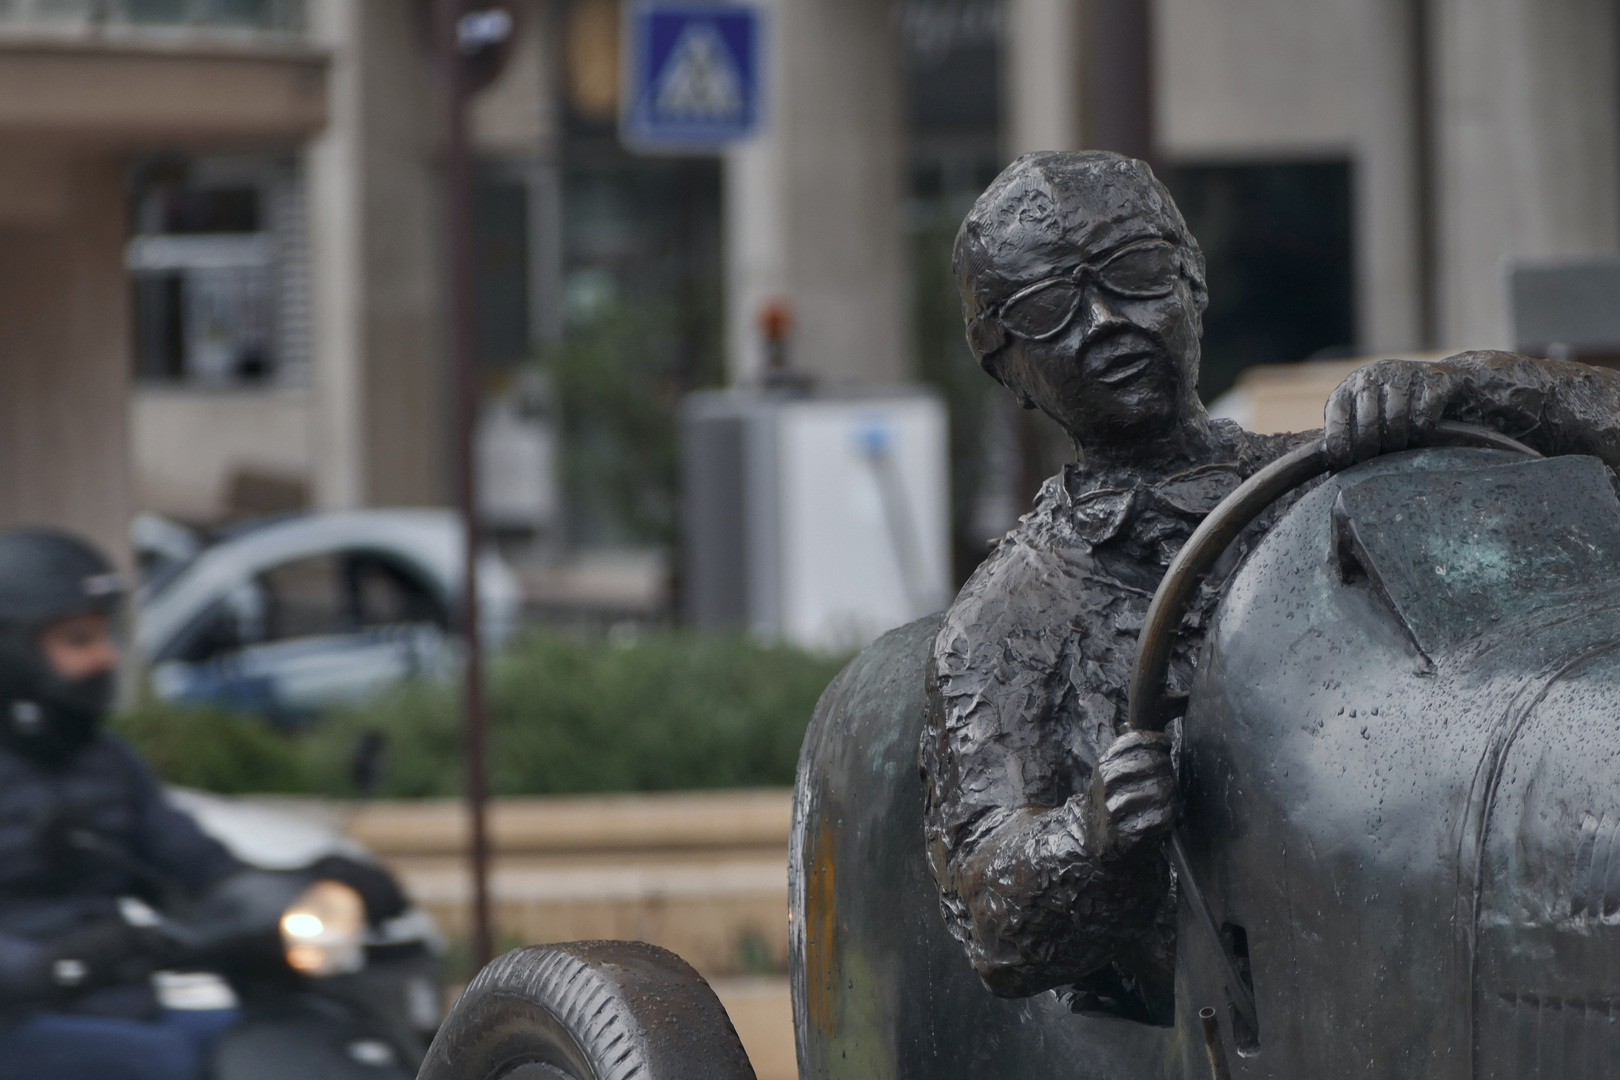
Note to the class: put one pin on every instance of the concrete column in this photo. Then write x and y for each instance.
(381, 425)
(337, 353)
(64, 349)
(813, 209)
(1042, 76)
(1527, 148)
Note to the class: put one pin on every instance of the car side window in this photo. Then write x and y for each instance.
(332, 593)
(379, 592)
(342, 592)
(303, 598)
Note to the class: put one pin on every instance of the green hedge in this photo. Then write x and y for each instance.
(667, 711)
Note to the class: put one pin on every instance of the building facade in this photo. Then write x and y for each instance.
(221, 275)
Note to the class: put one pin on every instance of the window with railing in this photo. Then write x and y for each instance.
(217, 260)
(275, 16)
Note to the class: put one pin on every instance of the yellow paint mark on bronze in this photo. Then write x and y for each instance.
(820, 929)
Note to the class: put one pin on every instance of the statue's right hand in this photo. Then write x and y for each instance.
(1132, 799)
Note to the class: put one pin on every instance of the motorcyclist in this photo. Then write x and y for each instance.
(83, 825)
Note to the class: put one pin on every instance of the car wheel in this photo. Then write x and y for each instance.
(588, 1010)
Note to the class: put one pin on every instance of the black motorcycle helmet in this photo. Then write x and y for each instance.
(47, 576)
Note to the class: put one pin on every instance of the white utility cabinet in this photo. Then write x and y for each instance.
(819, 519)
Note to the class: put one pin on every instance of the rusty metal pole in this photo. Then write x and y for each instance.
(464, 364)
(1218, 1069)
(1118, 74)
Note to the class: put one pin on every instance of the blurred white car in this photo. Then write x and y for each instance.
(288, 616)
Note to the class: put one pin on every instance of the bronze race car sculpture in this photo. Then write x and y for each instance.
(1227, 768)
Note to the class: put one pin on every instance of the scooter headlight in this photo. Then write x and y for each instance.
(323, 931)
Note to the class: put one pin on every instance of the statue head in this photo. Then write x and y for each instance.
(1083, 293)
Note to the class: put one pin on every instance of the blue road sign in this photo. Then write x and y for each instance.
(693, 74)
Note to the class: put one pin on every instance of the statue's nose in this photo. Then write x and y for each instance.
(1096, 312)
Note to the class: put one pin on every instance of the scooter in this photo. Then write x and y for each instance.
(336, 974)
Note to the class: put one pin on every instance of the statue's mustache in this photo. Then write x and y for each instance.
(1099, 336)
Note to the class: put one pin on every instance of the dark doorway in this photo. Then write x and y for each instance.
(1277, 239)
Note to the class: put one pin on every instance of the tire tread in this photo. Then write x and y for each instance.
(633, 1011)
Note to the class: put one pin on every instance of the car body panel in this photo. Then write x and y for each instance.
(881, 991)
(299, 676)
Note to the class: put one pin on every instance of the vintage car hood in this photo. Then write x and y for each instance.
(1400, 787)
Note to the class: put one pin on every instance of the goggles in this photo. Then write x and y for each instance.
(1145, 270)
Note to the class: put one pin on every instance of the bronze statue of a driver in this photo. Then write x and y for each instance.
(1083, 293)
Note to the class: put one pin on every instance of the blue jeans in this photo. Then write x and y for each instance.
(62, 1046)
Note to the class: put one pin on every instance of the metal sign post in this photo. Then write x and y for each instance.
(461, 35)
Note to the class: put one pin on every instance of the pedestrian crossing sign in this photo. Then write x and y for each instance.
(692, 75)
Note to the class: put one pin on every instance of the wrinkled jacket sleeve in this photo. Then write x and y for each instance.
(1020, 711)
(170, 839)
(1554, 406)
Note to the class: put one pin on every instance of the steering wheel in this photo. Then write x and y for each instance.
(1149, 705)
(1149, 696)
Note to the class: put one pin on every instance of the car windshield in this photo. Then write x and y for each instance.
(1464, 552)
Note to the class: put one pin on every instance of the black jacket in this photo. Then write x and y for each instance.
(49, 889)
